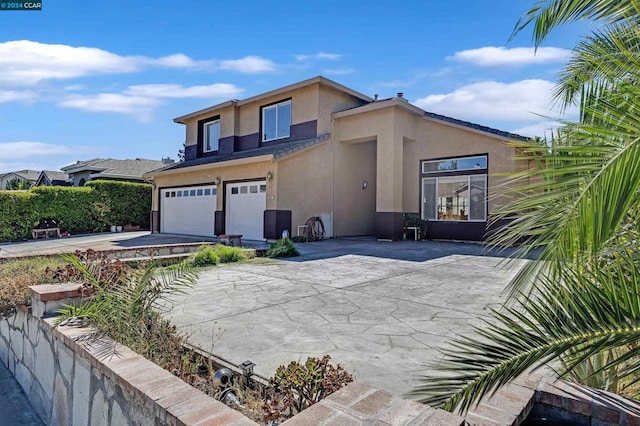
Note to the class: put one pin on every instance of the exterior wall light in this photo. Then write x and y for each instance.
(269, 176)
(364, 185)
(218, 180)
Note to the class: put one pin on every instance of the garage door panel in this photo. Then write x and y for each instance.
(188, 210)
(246, 203)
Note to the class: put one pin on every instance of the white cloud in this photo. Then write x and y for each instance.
(218, 90)
(492, 100)
(26, 63)
(247, 65)
(139, 101)
(319, 55)
(491, 56)
(16, 95)
(177, 61)
(542, 128)
(139, 107)
(25, 149)
(339, 71)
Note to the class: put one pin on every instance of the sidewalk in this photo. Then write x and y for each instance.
(101, 241)
(14, 406)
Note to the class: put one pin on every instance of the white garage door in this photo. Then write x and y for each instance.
(189, 210)
(246, 203)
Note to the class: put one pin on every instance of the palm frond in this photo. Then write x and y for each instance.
(599, 64)
(574, 205)
(547, 15)
(555, 322)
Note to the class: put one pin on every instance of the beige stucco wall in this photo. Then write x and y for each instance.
(355, 206)
(330, 101)
(304, 107)
(403, 139)
(388, 127)
(304, 186)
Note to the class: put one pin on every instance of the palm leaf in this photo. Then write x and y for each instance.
(555, 322)
(547, 15)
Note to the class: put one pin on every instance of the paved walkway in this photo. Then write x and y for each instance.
(383, 311)
(14, 406)
(101, 241)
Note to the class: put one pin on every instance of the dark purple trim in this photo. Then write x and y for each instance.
(388, 225)
(226, 145)
(245, 142)
(454, 230)
(276, 221)
(219, 222)
(300, 131)
(190, 152)
(155, 221)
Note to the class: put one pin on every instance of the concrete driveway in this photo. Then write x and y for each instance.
(382, 311)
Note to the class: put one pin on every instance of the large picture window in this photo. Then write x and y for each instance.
(276, 121)
(211, 136)
(450, 192)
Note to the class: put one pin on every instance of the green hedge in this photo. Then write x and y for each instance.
(92, 208)
(17, 214)
(73, 208)
(121, 203)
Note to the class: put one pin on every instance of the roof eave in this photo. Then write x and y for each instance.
(257, 159)
(314, 80)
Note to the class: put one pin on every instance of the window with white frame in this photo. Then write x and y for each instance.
(211, 136)
(276, 121)
(455, 189)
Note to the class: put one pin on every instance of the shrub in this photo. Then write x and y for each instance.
(205, 256)
(282, 248)
(17, 215)
(92, 208)
(71, 207)
(228, 254)
(298, 386)
(100, 263)
(122, 203)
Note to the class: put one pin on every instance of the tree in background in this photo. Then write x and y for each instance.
(16, 184)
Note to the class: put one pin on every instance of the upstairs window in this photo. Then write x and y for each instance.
(211, 136)
(276, 121)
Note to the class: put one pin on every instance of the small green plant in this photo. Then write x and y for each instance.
(206, 256)
(228, 254)
(298, 386)
(212, 255)
(282, 248)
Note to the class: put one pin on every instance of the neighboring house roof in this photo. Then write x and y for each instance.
(315, 80)
(51, 177)
(277, 151)
(115, 169)
(30, 175)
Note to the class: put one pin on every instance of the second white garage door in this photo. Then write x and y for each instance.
(246, 203)
(189, 210)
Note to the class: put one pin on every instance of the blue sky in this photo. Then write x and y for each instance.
(80, 80)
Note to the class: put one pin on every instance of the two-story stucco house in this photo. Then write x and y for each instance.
(316, 148)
